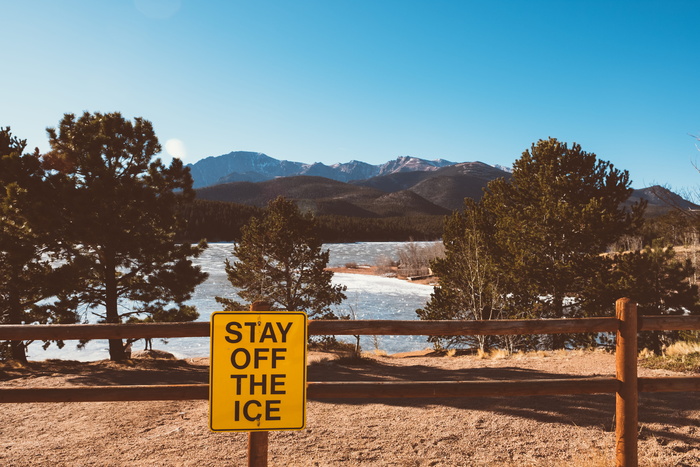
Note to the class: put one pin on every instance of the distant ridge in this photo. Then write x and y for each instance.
(241, 166)
(406, 186)
(245, 166)
(661, 200)
(445, 187)
(434, 191)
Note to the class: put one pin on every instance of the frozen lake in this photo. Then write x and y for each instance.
(370, 297)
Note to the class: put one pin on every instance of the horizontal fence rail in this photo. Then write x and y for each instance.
(103, 331)
(351, 327)
(325, 390)
(358, 390)
(668, 323)
(462, 328)
(316, 327)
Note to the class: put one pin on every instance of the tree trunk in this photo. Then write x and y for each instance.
(481, 342)
(19, 351)
(558, 340)
(116, 346)
(17, 348)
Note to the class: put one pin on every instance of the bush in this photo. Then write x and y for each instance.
(414, 259)
(385, 265)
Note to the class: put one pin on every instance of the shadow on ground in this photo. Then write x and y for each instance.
(657, 411)
(597, 410)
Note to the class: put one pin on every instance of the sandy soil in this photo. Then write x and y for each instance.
(523, 431)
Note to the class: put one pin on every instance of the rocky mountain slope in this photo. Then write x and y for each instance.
(445, 187)
(242, 166)
(428, 192)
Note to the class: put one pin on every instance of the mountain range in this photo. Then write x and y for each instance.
(244, 166)
(405, 186)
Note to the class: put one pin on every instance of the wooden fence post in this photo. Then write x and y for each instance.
(258, 440)
(257, 448)
(626, 397)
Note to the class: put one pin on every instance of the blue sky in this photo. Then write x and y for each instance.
(335, 80)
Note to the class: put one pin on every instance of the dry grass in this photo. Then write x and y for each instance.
(681, 348)
(495, 354)
(681, 356)
(501, 354)
(595, 458)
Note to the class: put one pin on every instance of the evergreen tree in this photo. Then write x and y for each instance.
(658, 283)
(553, 218)
(531, 247)
(29, 221)
(280, 261)
(125, 209)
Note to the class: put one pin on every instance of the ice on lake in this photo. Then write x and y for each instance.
(368, 297)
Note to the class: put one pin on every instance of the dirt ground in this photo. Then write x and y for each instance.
(522, 431)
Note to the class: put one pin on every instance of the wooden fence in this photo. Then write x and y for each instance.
(626, 385)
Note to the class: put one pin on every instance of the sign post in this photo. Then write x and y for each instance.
(257, 378)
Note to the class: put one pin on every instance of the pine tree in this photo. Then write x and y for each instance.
(30, 283)
(553, 218)
(658, 282)
(279, 260)
(539, 239)
(125, 209)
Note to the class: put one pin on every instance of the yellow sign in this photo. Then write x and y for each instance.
(257, 376)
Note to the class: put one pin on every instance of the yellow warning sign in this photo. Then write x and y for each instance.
(257, 376)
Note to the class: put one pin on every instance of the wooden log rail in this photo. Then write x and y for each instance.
(357, 390)
(625, 385)
(351, 328)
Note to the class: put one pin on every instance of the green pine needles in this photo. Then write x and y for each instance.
(533, 247)
(279, 260)
(93, 224)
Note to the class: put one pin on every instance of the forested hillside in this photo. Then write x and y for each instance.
(323, 196)
(218, 221)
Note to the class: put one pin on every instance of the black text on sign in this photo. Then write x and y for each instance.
(257, 378)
